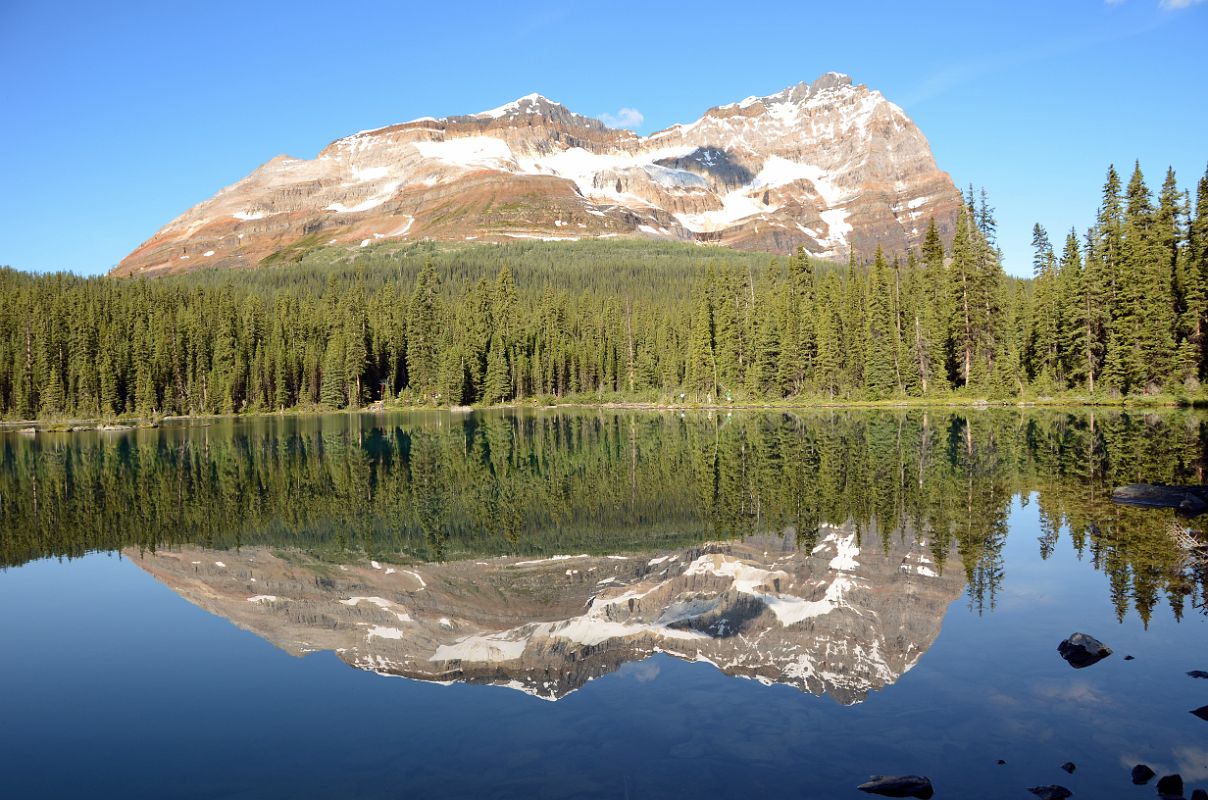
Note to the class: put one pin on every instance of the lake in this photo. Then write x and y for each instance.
(599, 603)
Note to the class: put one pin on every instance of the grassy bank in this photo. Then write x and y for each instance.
(622, 402)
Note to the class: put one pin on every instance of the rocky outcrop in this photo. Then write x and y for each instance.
(841, 620)
(828, 165)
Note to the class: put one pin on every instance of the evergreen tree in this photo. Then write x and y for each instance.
(423, 333)
(497, 385)
(1197, 272)
(1078, 362)
(1047, 367)
(880, 340)
(933, 314)
(828, 331)
(702, 369)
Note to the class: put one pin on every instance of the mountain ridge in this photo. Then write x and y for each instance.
(826, 165)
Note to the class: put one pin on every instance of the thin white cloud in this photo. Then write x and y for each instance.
(625, 118)
(1193, 762)
(957, 75)
(1168, 5)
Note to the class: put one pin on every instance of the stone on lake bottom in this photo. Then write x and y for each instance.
(898, 786)
(1142, 774)
(1069, 767)
(1201, 712)
(1051, 792)
(1170, 787)
(1198, 673)
(1190, 500)
(1082, 650)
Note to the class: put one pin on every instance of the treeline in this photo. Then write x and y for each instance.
(430, 486)
(1120, 311)
(1124, 309)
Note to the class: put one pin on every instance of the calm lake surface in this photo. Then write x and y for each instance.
(599, 604)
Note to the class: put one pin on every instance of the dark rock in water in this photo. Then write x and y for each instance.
(1142, 774)
(1082, 650)
(1198, 673)
(1190, 500)
(1069, 767)
(1201, 712)
(1001, 762)
(898, 786)
(1129, 658)
(1170, 787)
(1052, 792)
(1199, 794)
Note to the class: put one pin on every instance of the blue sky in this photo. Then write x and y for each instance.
(119, 116)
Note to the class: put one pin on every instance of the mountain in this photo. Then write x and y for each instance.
(828, 165)
(838, 620)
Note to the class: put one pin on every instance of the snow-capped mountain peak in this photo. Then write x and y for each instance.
(828, 165)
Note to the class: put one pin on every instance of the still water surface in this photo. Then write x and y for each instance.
(598, 604)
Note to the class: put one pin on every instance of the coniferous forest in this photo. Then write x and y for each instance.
(1116, 311)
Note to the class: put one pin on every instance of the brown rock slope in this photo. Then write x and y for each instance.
(827, 165)
(841, 621)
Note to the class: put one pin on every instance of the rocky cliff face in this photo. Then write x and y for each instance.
(827, 165)
(841, 620)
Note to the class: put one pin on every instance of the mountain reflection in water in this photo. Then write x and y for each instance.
(837, 619)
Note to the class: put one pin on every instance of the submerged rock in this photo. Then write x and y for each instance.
(1051, 792)
(1082, 650)
(898, 786)
(1198, 673)
(1129, 658)
(1142, 774)
(1170, 787)
(1199, 794)
(1201, 712)
(1069, 767)
(1001, 762)
(1191, 500)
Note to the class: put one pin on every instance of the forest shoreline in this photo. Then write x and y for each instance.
(128, 423)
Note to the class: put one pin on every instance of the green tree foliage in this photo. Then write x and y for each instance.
(1125, 313)
(880, 334)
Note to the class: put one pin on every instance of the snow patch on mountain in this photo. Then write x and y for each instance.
(736, 206)
(471, 151)
(530, 102)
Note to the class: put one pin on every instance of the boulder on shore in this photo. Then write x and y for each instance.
(898, 786)
(1082, 650)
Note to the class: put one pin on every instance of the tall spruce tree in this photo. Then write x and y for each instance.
(879, 333)
(423, 332)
